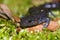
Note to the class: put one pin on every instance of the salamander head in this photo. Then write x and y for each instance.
(27, 22)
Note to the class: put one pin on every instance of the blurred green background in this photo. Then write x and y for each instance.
(20, 8)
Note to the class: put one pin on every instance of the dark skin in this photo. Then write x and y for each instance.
(38, 15)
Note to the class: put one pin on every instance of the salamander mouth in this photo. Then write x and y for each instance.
(27, 23)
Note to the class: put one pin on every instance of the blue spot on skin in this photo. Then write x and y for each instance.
(47, 6)
(53, 5)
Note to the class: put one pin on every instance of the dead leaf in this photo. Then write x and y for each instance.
(53, 26)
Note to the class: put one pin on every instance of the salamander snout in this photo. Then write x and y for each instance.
(27, 23)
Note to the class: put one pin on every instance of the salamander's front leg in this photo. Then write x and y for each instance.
(47, 21)
(44, 19)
